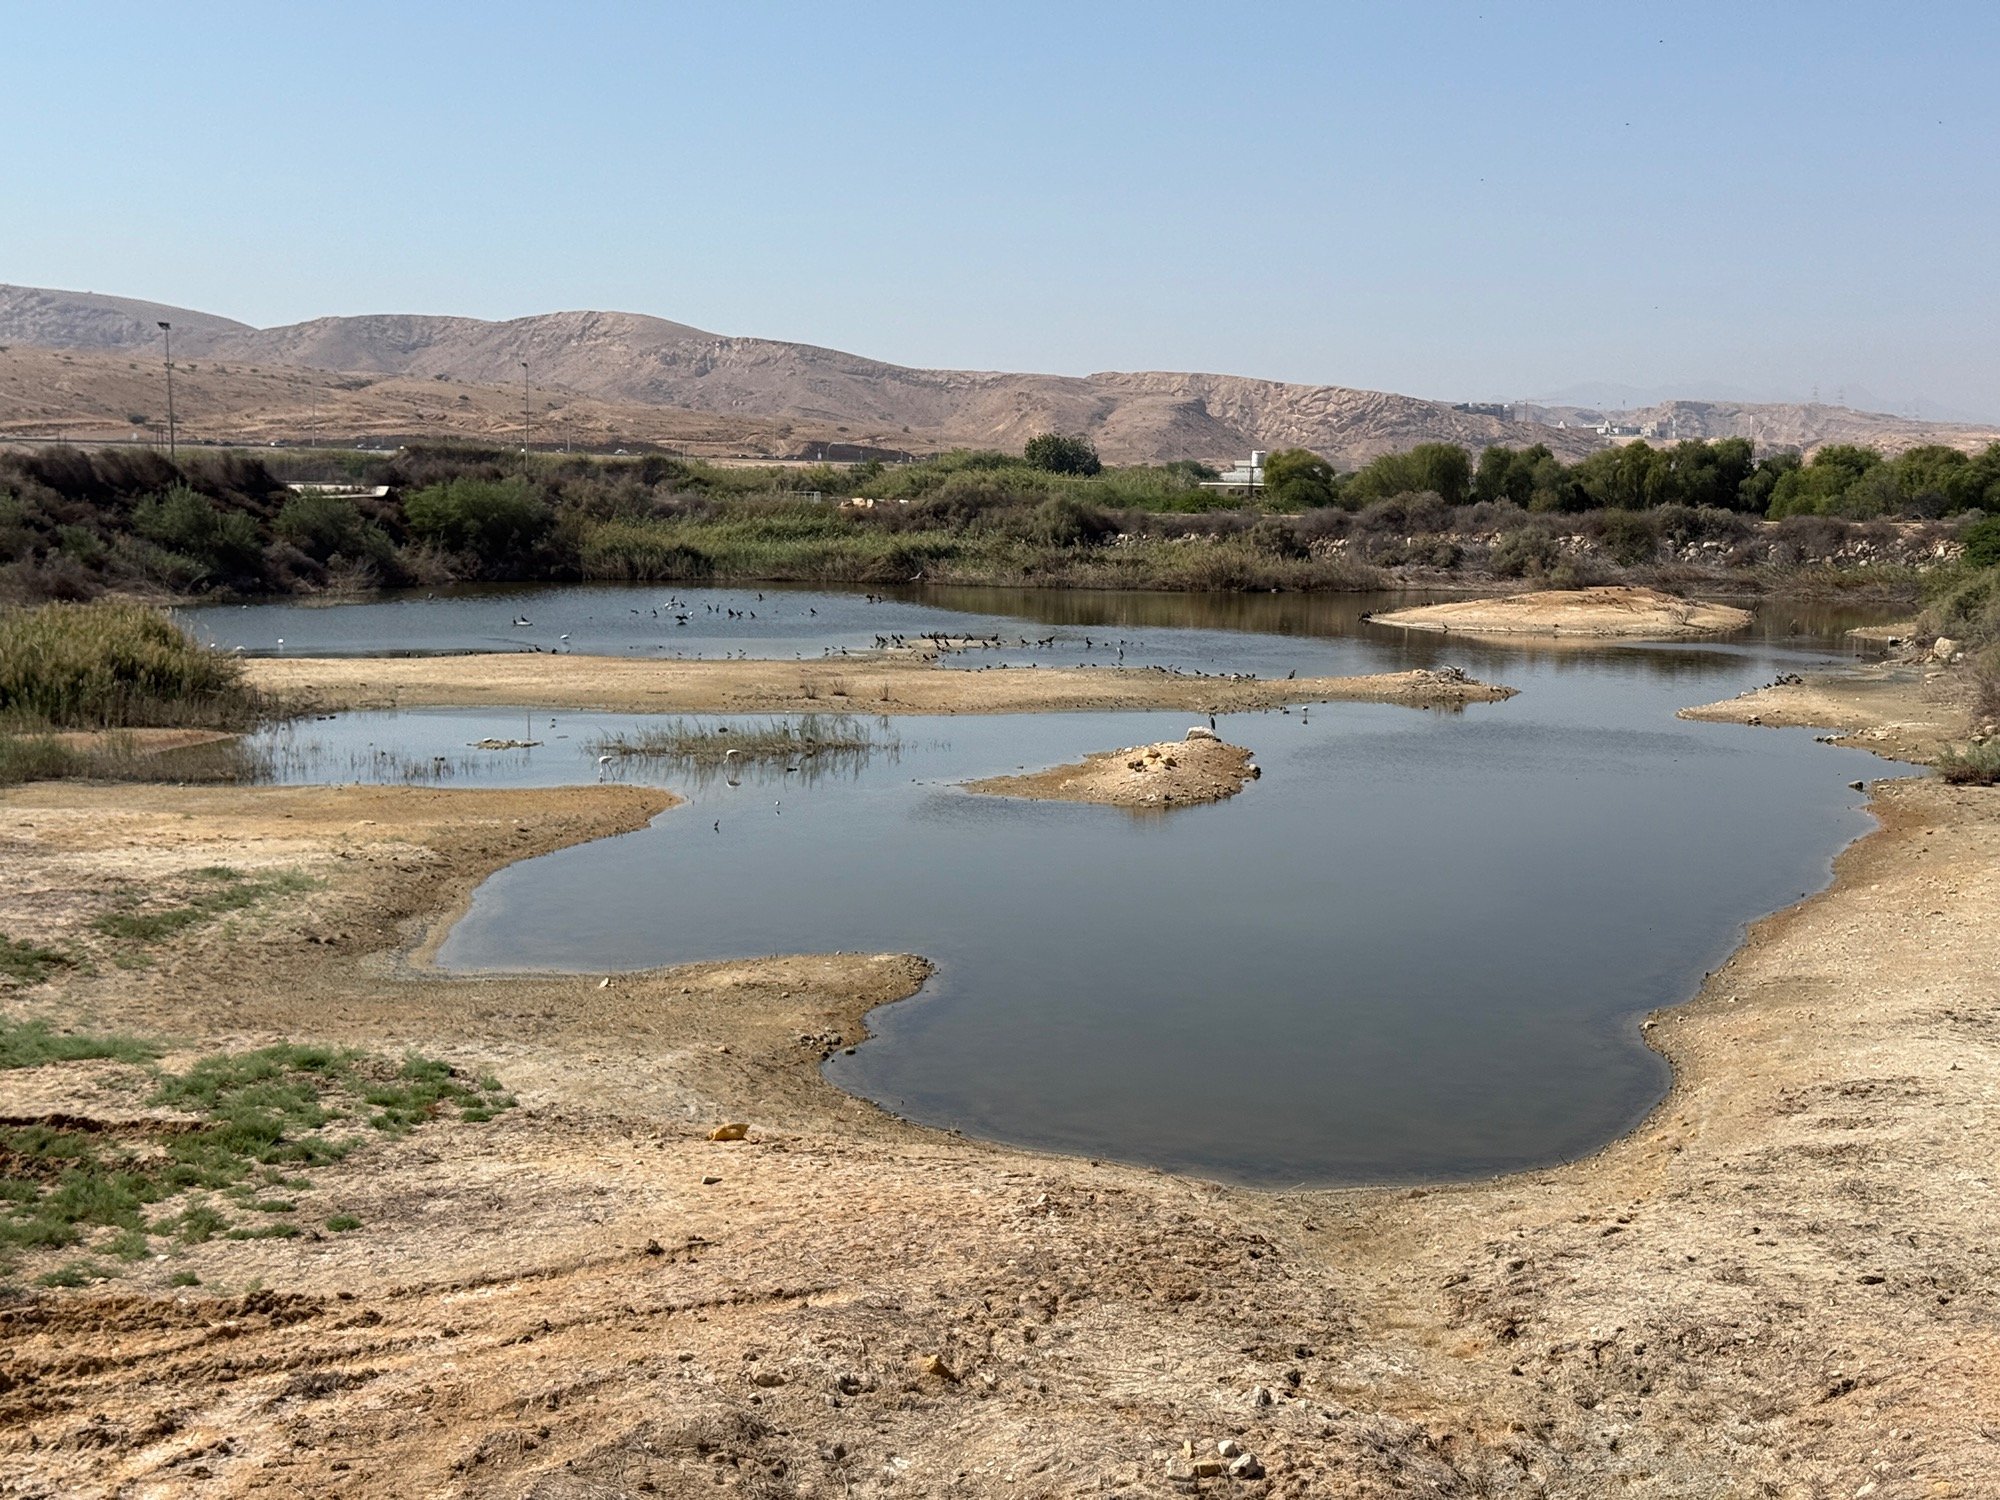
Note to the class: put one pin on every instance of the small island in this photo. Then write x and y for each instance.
(1608, 613)
(1174, 773)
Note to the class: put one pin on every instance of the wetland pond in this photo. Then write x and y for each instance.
(1418, 948)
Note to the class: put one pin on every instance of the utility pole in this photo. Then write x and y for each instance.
(525, 425)
(168, 330)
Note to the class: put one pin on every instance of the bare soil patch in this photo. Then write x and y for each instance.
(1173, 773)
(1594, 614)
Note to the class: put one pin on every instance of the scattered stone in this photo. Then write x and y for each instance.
(933, 1364)
(1229, 1448)
(735, 1130)
(1200, 732)
(1245, 1466)
(1259, 1396)
(767, 1379)
(1208, 1468)
(709, 1181)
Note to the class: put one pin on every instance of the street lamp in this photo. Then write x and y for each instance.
(168, 330)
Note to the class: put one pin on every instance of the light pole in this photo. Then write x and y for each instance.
(168, 330)
(525, 424)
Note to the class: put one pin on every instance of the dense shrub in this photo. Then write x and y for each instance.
(496, 521)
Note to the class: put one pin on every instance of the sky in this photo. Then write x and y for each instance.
(1467, 201)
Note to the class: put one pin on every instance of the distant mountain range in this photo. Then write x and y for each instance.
(610, 375)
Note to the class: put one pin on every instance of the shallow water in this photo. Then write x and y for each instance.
(1417, 948)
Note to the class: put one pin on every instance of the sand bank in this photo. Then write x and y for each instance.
(876, 684)
(1173, 773)
(1588, 614)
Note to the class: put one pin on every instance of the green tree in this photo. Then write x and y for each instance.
(224, 543)
(1445, 469)
(1299, 479)
(327, 526)
(1816, 488)
(495, 520)
(1059, 453)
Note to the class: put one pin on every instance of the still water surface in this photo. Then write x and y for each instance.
(1418, 948)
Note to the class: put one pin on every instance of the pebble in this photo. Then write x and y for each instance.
(1229, 1448)
(1246, 1466)
(1259, 1396)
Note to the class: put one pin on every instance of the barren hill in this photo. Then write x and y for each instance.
(1778, 424)
(632, 362)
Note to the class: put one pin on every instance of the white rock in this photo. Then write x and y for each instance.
(1201, 733)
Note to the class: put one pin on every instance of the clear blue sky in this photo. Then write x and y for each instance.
(1461, 200)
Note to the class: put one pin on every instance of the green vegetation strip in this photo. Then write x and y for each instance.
(259, 1119)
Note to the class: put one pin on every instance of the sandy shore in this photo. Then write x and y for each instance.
(1173, 773)
(1587, 614)
(1785, 1283)
(876, 684)
(1896, 709)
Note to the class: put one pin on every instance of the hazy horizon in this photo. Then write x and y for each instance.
(1462, 203)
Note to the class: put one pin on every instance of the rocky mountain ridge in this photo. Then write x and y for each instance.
(632, 360)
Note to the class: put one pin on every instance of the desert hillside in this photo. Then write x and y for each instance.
(791, 393)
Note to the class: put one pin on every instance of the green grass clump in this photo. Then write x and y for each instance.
(29, 1044)
(231, 891)
(262, 1116)
(341, 1223)
(27, 963)
(1975, 765)
(112, 664)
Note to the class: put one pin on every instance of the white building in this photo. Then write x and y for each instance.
(1244, 479)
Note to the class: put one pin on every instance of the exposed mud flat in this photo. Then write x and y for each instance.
(1609, 613)
(1173, 773)
(877, 684)
(1783, 1283)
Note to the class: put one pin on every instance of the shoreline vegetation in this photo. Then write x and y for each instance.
(1708, 517)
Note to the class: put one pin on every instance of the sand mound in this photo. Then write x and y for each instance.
(1599, 613)
(1174, 773)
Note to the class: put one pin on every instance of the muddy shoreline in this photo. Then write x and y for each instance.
(1781, 1282)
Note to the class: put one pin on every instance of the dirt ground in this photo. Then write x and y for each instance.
(1590, 614)
(878, 683)
(1173, 773)
(1785, 1283)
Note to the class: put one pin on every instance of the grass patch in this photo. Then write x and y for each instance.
(228, 891)
(262, 1116)
(76, 1273)
(1976, 765)
(341, 1223)
(26, 963)
(690, 741)
(29, 1044)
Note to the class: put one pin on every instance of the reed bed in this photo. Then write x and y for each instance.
(693, 742)
(113, 664)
